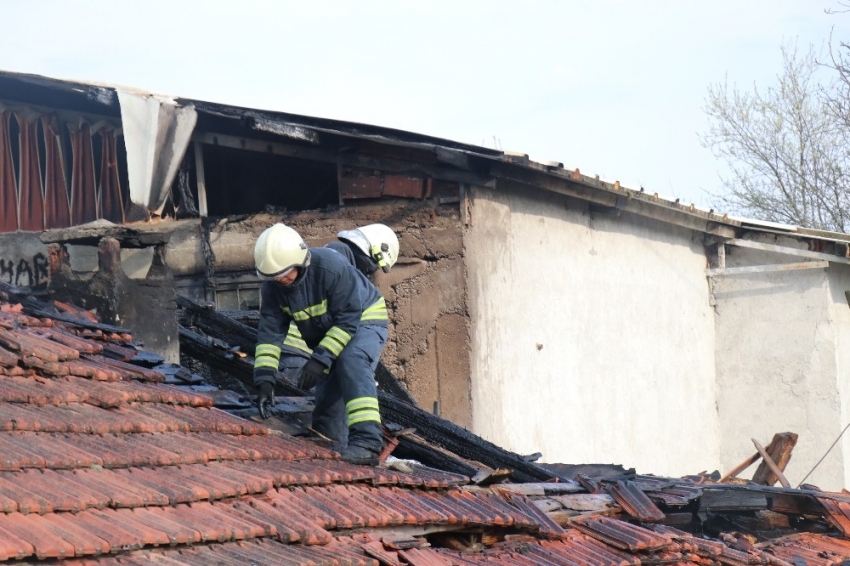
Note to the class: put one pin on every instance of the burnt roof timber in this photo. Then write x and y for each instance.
(379, 134)
(436, 171)
(76, 96)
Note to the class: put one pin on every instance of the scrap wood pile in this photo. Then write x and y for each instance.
(117, 467)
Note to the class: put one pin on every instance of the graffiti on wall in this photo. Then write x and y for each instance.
(24, 272)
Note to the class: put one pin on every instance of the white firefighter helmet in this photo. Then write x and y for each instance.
(278, 250)
(377, 241)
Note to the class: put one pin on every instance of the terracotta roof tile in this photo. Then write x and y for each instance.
(13, 546)
(62, 336)
(128, 371)
(96, 371)
(113, 450)
(411, 507)
(263, 512)
(635, 502)
(120, 529)
(61, 494)
(813, 549)
(40, 339)
(8, 358)
(300, 516)
(115, 491)
(159, 518)
(23, 390)
(84, 542)
(374, 514)
(27, 501)
(620, 534)
(273, 447)
(418, 557)
(32, 529)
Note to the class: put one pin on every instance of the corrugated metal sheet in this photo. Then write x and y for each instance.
(112, 201)
(83, 187)
(30, 196)
(8, 179)
(57, 207)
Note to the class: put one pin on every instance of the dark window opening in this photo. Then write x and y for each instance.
(248, 182)
(123, 175)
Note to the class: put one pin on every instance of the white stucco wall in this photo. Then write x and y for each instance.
(839, 284)
(593, 337)
(782, 339)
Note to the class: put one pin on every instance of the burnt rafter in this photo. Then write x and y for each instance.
(346, 158)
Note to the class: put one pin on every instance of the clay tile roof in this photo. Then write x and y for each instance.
(102, 463)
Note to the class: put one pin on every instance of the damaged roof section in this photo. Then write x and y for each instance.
(103, 462)
(177, 156)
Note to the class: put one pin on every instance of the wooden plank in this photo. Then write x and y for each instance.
(597, 502)
(740, 468)
(721, 271)
(542, 488)
(787, 251)
(782, 445)
(732, 500)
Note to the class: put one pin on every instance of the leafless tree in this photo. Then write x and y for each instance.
(785, 147)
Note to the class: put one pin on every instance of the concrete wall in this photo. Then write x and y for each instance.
(592, 335)
(783, 341)
(23, 259)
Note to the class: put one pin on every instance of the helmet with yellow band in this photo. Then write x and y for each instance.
(378, 241)
(278, 250)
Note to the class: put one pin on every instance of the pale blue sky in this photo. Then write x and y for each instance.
(614, 87)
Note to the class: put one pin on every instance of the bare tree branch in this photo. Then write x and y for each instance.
(786, 146)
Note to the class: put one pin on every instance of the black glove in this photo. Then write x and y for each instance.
(265, 398)
(310, 374)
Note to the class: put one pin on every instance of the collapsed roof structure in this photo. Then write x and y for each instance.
(104, 463)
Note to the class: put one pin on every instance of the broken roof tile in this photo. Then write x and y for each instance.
(812, 549)
(634, 501)
(621, 534)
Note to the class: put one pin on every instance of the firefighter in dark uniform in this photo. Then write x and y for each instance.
(342, 317)
(369, 248)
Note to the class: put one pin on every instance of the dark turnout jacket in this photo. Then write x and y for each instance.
(328, 302)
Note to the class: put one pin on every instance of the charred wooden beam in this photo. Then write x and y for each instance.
(413, 449)
(216, 324)
(218, 354)
(452, 437)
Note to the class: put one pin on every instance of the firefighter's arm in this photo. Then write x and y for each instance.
(271, 333)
